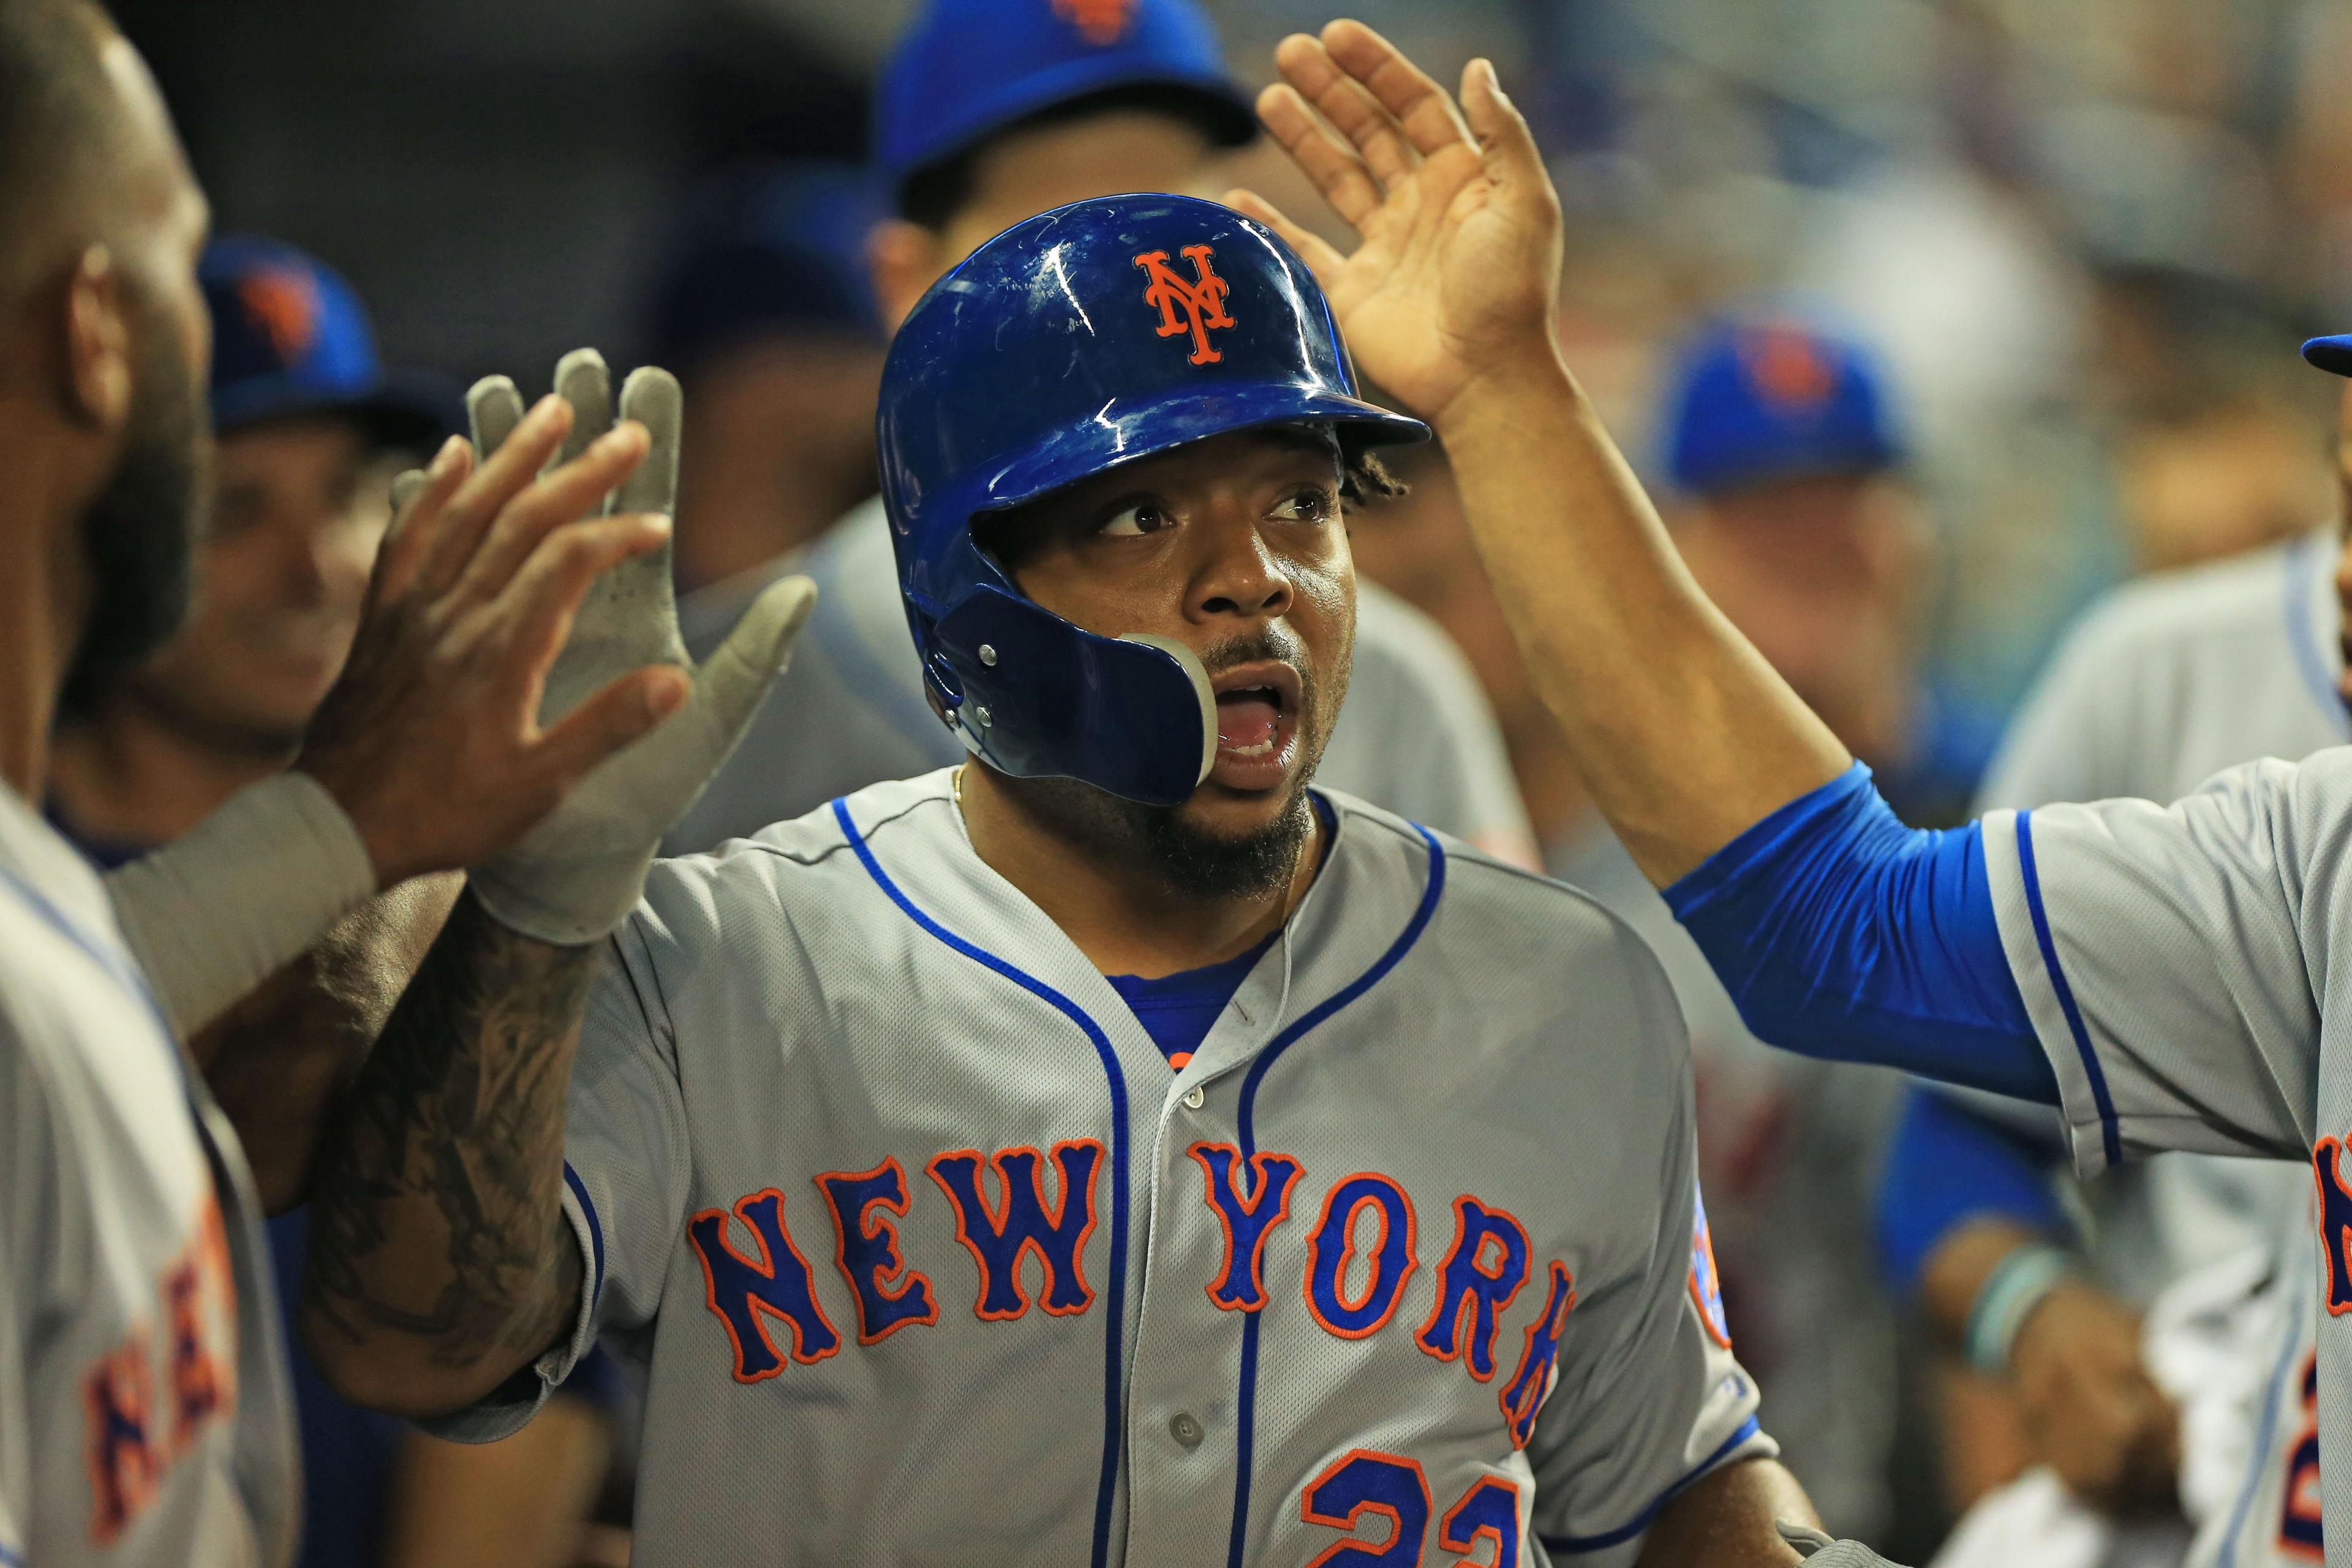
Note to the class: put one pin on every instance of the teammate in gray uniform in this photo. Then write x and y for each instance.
(1111, 1149)
(143, 1417)
(2167, 683)
(990, 113)
(2163, 974)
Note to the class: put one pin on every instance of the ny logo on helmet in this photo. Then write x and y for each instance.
(1203, 301)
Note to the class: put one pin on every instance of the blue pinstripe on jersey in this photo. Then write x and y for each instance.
(2109, 1131)
(595, 1235)
(2263, 1449)
(124, 975)
(1246, 1408)
(1114, 1287)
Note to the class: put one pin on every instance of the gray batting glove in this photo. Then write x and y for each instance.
(580, 872)
(1819, 1552)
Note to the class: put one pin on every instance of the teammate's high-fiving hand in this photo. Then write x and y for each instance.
(1458, 275)
(430, 741)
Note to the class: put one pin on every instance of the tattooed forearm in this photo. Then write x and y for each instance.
(281, 1056)
(437, 1225)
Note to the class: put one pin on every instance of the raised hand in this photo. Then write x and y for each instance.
(1457, 276)
(431, 742)
(578, 872)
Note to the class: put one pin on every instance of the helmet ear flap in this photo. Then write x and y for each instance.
(1042, 697)
(1198, 674)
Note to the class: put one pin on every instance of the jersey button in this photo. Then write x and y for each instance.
(1195, 1098)
(1186, 1430)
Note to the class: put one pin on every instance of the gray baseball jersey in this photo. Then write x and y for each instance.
(143, 1413)
(2178, 965)
(2167, 683)
(1416, 734)
(934, 1259)
(2270, 1516)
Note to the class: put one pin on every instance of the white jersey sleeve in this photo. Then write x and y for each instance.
(2173, 959)
(625, 1175)
(1664, 1401)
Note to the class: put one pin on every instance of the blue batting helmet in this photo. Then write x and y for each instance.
(1092, 335)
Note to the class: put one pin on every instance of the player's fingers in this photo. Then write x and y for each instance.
(1335, 168)
(494, 410)
(419, 498)
(736, 677)
(560, 497)
(535, 609)
(494, 481)
(1347, 105)
(618, 715)
(1430, 121)
(1505, 142)
(582, 381)
(651, 397)
(1322, 258)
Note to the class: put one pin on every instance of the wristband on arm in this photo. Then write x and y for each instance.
(2018, 1283)
(214, 913)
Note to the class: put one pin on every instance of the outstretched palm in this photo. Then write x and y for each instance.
(1459, 265)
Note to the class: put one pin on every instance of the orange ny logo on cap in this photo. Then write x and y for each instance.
(1203, 300)
(284, 304)
(1788, 367)
(1100, 22)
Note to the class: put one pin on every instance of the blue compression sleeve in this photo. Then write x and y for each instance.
(1842, 935)
(1946, 1166)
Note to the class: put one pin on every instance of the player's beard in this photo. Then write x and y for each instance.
(138, 534)
(1185, 858)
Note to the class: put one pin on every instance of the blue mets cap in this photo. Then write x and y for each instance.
(290, 337)
(769, 249)
(969, 69)
(1775, 398)
(2332, 354)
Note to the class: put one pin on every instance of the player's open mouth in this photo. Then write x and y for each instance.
(1257, 723)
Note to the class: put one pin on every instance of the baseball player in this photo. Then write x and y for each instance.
(987, 113)
(1113, 1149)
(2167, 683)
(2163, 976)
(143, 1417)
(309, 427)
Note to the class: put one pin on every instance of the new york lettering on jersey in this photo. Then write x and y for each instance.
(142, 1420)
(899, 1201)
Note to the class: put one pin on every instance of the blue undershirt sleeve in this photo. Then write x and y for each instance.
(1946, 1166)
(1842, 935)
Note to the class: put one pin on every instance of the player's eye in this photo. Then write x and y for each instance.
(1312, 504)
(1134, 521)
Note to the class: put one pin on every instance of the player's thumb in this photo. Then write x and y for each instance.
(1505, 141)
(730, 686)
(623, 712)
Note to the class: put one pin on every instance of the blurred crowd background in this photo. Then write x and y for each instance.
(2082, 241)
(2083, 237)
